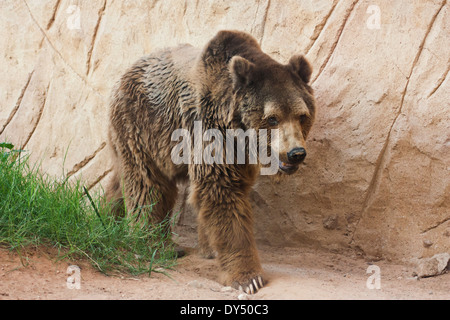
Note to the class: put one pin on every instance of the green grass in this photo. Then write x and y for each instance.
(36, 211)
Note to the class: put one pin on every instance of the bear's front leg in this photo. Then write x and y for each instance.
(226, 222)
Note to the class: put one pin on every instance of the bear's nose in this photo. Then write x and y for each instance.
(297, 155)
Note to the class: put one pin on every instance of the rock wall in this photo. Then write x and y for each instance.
(377, 179)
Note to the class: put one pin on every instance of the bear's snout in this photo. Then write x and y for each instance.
(297, 155)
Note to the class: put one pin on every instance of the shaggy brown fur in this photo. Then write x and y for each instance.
(229, 84)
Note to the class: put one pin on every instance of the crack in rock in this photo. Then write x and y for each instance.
(53, 18)
(339, 36)
(18, 103)
(94, 38)
(86, 161)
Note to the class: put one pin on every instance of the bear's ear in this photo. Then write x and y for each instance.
(302, 67)
(241, 72)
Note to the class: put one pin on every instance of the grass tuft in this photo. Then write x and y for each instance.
(36, 210)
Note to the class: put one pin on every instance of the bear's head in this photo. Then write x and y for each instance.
(275, 96)
(266, 94)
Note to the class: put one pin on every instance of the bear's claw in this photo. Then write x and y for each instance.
(252, 285)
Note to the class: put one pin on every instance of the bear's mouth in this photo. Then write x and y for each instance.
(288, 168)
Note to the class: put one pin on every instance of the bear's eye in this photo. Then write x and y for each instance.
(303, 119)
(272, 121)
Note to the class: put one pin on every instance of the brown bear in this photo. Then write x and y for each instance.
(230, 84)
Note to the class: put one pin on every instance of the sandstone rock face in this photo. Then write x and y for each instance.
(377, 178)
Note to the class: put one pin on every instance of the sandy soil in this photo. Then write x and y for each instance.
(293, 273)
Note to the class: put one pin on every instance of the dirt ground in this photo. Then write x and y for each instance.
(293, 273)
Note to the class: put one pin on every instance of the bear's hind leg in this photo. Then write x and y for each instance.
(114, 196)
(149, 198)
(206, 251)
